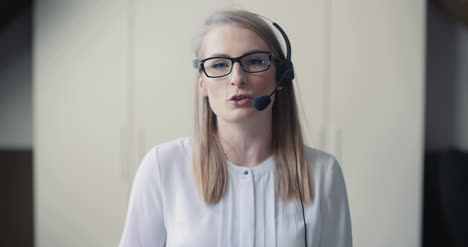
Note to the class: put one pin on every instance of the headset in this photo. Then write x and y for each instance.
(284, 72)
(284, 77)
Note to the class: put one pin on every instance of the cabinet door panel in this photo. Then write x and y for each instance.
(377, 87)
(164, 78)
(80, 103)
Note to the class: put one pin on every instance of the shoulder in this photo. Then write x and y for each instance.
(331, 198)
(165, 168)
(169, 150)
(323, 165)
(318, 160)
(172, 155)
(174, 148)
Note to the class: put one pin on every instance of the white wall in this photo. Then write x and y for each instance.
(447, 82)
(16, 84)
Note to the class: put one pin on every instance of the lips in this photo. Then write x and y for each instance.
(240, 97)
(241, 100)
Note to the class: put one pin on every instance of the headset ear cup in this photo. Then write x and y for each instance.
(285, 73)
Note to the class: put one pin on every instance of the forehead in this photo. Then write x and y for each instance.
(232, 41)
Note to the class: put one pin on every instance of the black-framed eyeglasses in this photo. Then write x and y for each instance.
(252, 62)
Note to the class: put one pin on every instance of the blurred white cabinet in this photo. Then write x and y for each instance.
(164, 78)
(112, 79)
(80, 122)
(377, 115)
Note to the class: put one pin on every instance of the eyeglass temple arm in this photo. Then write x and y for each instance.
(195, 63)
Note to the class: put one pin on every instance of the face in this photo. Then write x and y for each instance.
(231, 41)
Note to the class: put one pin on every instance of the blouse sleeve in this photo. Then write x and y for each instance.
(144, 225)
(336, 220)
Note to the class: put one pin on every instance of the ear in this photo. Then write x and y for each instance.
(202, 86)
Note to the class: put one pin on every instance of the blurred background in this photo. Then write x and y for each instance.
(88, 87)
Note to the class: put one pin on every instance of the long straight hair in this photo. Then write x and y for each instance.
(209, 160)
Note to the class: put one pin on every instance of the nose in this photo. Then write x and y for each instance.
(237, 77)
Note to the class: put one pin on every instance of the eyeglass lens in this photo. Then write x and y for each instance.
(256, 62)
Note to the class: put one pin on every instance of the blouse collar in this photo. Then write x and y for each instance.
(259, 170)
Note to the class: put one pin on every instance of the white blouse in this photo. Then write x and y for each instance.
(165, 210)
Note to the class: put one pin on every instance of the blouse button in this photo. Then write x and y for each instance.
(246, 172)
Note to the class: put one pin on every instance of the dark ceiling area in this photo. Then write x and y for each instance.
(9, 9)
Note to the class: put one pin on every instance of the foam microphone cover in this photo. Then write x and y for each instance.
(262, 102)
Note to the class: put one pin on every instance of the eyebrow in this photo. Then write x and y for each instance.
(225, 55)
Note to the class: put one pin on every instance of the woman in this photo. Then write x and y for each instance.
(236, 182)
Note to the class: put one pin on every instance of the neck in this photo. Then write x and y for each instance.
(246, 144)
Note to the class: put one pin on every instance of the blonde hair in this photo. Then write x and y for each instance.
(209, 159)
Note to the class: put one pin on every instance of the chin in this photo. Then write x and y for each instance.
(241, 115)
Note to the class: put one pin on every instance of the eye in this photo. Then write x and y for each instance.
(219, 65)
(255, 61)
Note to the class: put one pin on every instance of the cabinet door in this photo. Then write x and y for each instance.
(377, 98)
(80, 104)
(164, 78)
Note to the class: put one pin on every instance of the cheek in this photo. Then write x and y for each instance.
(214, 91)
(270, 81)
